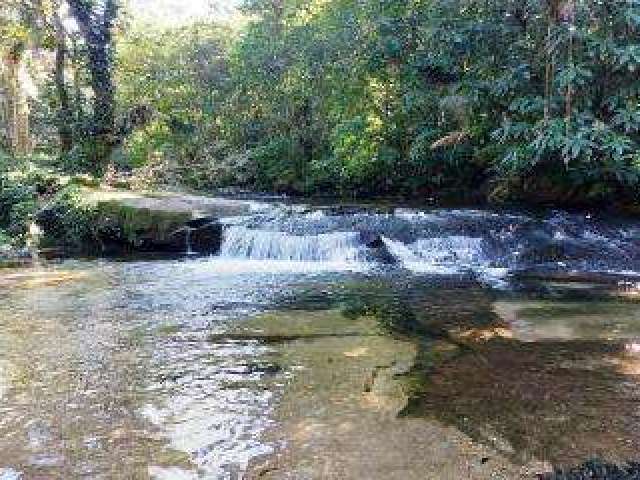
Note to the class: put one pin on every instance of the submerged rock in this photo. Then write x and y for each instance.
(337, 416)
(555, 274)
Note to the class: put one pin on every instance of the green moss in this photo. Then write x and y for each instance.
(84, 181)
(5, 239)
(68, 221)
(136, 225)
(80, 219)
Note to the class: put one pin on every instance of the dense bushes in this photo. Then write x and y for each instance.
(26, 188)
(535, 101)
(179, 75)
(489, 99)
(68, 220)
(18, 203)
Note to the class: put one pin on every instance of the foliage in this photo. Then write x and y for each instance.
(424, 95)
(18, 203)
(535, 100)
(68, 220)
(181, 76)
(24, 186)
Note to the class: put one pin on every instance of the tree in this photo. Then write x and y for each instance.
(179, 77)
(96, 20)
(65, 109)
(14, 108)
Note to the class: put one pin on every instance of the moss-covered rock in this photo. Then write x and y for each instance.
(80, 219)
(123, 227)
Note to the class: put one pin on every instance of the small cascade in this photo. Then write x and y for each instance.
(34, 236)
(253, 244)
(400, 251)
(439, 254)
(488, 244)
(187, 238)
(455, 249)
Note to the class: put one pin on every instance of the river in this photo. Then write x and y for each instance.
(330, 342)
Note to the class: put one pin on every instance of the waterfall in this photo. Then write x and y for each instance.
(34, 236)
(253, 244)
(187, 238)
(438, 241)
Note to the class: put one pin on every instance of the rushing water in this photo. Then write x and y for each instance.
(108, 369)
(437, 241)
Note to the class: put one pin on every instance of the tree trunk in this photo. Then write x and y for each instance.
(16, 108)
(65, 117)
(570, 62)
(553, 8)
(96, 32)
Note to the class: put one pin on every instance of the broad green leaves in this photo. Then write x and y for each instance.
(351, 96)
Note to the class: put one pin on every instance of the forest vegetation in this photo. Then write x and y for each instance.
(534, 101)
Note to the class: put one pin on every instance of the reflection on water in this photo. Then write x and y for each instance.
(109, 370)
(108, 373)
(536, 320)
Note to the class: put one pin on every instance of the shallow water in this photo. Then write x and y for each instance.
(191, 368)
(109, 373)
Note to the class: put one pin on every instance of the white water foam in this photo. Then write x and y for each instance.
(446, 256)
(227, 266)
(245, 249)
(10, 474)
(438, 254)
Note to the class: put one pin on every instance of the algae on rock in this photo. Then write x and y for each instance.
(87, 220)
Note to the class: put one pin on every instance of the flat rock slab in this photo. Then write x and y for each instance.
(338, 414)
(197, 206)
(36, 277)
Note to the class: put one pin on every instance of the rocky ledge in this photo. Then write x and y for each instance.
(117, 222)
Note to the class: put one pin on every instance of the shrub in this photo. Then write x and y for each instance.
(18, 204)
(68, 220)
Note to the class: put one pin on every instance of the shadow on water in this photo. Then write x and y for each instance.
(561, 398)
(563, 402)
(564, 394)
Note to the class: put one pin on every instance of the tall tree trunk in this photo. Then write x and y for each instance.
(570, 62)
(16, 107)
(6, 103)
(547, 75)
(65, 113)
(96, 32)
(553, 10)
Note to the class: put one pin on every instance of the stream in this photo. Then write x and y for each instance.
(330, 342)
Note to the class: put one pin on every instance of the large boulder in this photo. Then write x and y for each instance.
(200, 236)
(115, 223)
